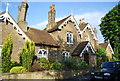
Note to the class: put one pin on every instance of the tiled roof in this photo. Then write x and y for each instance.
(83, 25)
(103, 45)
(77, 51)
(2, 13)
(58, 24)
(40, 37)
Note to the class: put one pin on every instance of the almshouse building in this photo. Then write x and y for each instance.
(59, 40)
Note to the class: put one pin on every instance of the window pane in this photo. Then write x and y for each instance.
(45, 52)
(40, 52)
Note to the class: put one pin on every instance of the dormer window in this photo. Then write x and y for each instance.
(69, 38)
(42, 53)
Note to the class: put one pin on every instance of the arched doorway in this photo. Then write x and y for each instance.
(86, 58)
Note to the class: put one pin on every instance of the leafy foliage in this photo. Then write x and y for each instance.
(110, 28)
(6, 54)
(73, 64)
(101, 56)
(56, 66)
(18, 69)
(44, 62)
(83, 64)
(27, 54)
(101, 52)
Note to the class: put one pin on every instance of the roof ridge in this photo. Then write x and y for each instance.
(34, 28)
(2, 12)
(63, 18)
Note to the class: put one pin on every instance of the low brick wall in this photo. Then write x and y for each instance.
(51, 74)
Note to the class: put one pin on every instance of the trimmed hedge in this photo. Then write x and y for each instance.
(18, 69)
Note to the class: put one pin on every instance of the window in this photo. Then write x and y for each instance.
(69, 38)
(65, 55)
(42, 53)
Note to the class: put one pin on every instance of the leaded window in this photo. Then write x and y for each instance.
(69, 38)
(66, 55)
(42, 53)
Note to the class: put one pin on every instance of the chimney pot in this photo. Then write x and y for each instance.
(52, 7)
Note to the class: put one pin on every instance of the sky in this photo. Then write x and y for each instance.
(37, 16)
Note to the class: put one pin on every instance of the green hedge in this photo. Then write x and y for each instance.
(18, 69)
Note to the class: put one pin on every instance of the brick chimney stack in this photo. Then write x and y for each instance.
(51, 17)
(22, 12)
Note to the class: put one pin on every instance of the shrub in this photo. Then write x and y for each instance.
(56, 66)
(18, 69)
(27, 54)
(72, 63)
(6, 54)
(83, 64)
(51, 61)
(44, 62)
(36, 67)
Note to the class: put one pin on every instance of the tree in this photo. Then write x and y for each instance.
(6, 54)
(110, 28)
(27, 54)
(101, 56)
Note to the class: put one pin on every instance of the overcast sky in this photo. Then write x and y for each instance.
(37, 15)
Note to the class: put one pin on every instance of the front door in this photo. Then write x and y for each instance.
(86, 58)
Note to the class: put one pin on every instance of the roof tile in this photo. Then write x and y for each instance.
(40, 37)
(58, 24)
(79, 48)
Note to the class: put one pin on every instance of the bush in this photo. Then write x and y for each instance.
(83, 65)
(56, 66)
(6, 54)
(72, 63)
(27, 54)
(51, 61)
(18, 69)
(36, 67)
(44, 63)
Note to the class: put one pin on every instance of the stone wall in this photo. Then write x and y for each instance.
(46, 74)
(18, 41)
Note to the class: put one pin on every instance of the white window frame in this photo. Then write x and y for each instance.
(69, 37)
(0, 50)
(66, 55)
(42, 55)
